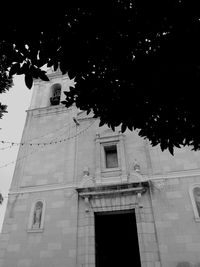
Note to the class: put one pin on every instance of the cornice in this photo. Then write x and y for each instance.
(36, 189)
(44, 188)
(173, 175)
(51, 110)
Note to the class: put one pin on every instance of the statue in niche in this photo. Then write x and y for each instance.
(196, 193)
(37, 215)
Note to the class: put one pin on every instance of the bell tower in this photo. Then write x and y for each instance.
(40, 216)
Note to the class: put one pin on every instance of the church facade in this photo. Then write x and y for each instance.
(85, 196)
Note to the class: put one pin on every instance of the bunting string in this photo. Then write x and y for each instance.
(30, 143)
(53, 142)
(11, 144)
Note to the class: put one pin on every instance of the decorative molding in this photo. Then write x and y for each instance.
(37, 189)
(42, 109)
(135, 190)
(113, 189)
(50, 110)
(174, 175)
(112, 197)
(109, 137)
(144, 178)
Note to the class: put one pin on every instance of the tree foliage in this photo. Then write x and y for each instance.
(136, 62)
(5, 82)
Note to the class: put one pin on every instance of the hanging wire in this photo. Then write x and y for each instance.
(31, 144)
(35, 138)
(34, 151)
(50, 143)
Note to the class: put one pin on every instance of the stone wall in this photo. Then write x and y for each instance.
(176, 227)
(55, 245)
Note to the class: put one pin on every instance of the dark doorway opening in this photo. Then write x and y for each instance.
(116, 239)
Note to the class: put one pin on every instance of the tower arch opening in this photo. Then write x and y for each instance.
(55, 94)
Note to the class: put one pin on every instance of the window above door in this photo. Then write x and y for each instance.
(110, 156)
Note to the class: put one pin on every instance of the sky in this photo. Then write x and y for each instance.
(17, 99)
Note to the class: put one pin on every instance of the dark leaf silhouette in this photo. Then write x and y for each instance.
(137, 66)
(124, 127)
(101, 123)
(28, 80)
(171, 149)
(42, 75)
